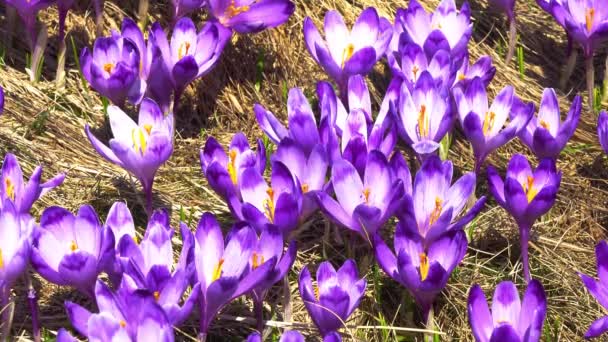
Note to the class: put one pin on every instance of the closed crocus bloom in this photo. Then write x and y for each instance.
(423, 270)
(189, 55)
(344, 53)
(15, 241)
(598, 289)
(14, 188)
(482, 68)
(223, 270)
(435, 205)
(546, 135)
(223, 170)
(410, 62)
(424, 116)
(123, 316)
(335, 297)
(279, 203)
(120, 222)
(28, 11)
(112, 69)
(71, 250)
(447, 28)
(525, 194)
(310, 172)
(140, 148)
(1, 100)
(184, 7)
(510, 320)
(487, 128)
(363, 204)
(602, 130)
(251, 16)
(149, 264)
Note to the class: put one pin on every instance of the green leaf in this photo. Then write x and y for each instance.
(444, 146)
(520, 62)
(259, 66)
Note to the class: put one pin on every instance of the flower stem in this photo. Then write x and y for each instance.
(11, 16)
(143, 14)
(33, 304)
(590, 75)
(605, 83)
(512, 40)
(38, 54)
(60, 74)
(6, 310)
(287, 310)
(202, 337)
(568, 68)
(149, 195)
(524, 231)
(430, 322)
(99, 17)
(258, 308)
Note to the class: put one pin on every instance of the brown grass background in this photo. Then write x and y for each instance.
(43, 124)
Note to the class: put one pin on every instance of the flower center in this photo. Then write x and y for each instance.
(529, 189)
(109, 67)
(232, 166)
(1, 260)
(366, 193)
(544, 124)
(234, 10)
(589, 18)
(156, 296)
(415, 70)
(347, 53)
(136, 239)
(73, 246)
(437, 211)
(217, 272)
(305, 187)
(9, 188)
(424, 266)
(461, 77)
(488, 122)
(269, 205)
(256, 260)
(140, 138)
(122, 323)
(423, 123)
(183, 50)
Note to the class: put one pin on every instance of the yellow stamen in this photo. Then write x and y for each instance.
(269, 205)
(305, 188)
(9, 188)
(256, 260)
(423, 123)
(136, 239)
(108, 67)
(366, 193)
(424, 266)
(139, 140)
(1, 260)
(437, 211)
(415, 70)
(232, 167)
(122, 323)
(589, 18)
(544, 124)
(73, 246)
(180, 52)
(148, 128)
(461, 77)
(234, 10)
(217, 272)
(488, 122)
(156, 296)
(347, 53)
(529, 189)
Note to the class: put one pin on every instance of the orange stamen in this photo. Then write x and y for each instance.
(232, 166)
(423, 123)
(347, 53)
(589, 18)
(488, 122)
(424, 266)
(437, 211)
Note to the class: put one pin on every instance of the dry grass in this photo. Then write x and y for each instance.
(44, 125)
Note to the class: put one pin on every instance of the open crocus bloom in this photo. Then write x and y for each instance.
(447, 28)
(123, 316)
(140, 148)
(598, 289)
(72, 250)
(251, 16)
(435, 204)
(365, 203)
(546, 135)
(149, 265)
(525, 194)
(602, 130)
(344, 53)
(309, 171)
(22, 194)
(424, 115)
(15, 236)
(223, 170)
(482, 68)
(222, 269)
(279, 204)
(423, 270)
(586, 21)
(334, 298)
(511, 320)
(113, 69)
(487, 128)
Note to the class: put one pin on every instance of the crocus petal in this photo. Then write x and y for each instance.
(506, 305)
(479, 315)
(505, 333)
(597, 328)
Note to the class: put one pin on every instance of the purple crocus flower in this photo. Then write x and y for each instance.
(112, 69)
(510, 319)
(602, 130)
(183, 7)
(598, 289)
(435, 205)
(447, 28)
(223, 270)
(586, 22)
(15, 242)
(123, 316)
(483, 126)
(344, 53)
(189, 55)
(335, 297)
(288, 336)
(363, 204)
(223, 170)
(149, 265)
(28, 11)
(434, 117)
(72, 250)
(525, 194)
(423, 270)
(140, 148)
(1, 100)
(482, 68)
(251, 16)
(546, 135)
(14, 188)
